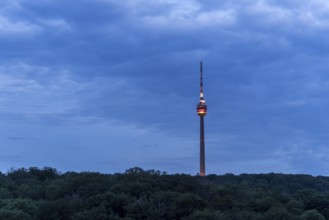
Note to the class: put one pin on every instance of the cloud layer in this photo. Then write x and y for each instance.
(115, 83)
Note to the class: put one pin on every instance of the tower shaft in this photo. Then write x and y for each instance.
(202, 148)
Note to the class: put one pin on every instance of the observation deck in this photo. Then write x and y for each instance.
(201, 109)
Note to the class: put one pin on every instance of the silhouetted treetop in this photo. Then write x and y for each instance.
(46, 193)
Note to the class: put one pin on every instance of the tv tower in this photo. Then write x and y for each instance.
(202, 111)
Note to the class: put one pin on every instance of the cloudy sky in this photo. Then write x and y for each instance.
(106, 85)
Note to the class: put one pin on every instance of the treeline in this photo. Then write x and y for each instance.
(45, 193)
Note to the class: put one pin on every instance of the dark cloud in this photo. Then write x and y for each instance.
(131, 68)
(16, 138)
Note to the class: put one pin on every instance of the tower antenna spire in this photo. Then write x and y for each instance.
(202, 111)
(201, 79)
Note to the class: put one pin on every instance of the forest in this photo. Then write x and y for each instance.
(45, 193)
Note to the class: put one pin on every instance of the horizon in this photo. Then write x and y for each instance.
(104, 85)
(149, 171)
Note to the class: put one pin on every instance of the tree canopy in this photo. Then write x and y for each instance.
(45, 193)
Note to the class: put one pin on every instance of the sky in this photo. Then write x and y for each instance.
(106, 85)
